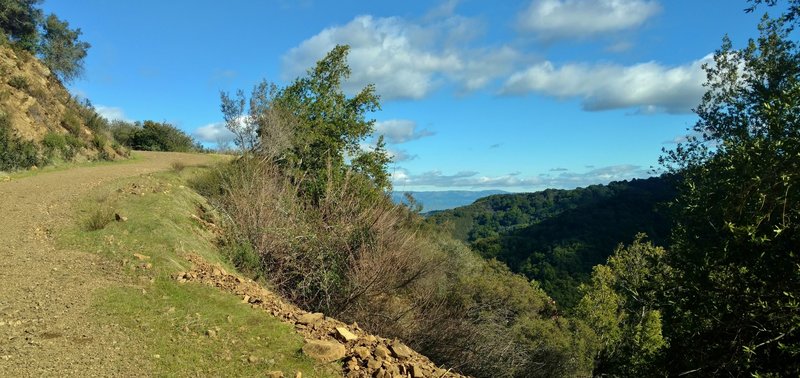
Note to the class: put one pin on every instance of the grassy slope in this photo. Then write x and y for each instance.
(168, 321)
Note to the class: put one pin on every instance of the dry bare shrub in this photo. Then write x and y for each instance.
(355, 255)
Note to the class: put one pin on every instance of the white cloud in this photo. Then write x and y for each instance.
(213, 133)
(473, 180)
(111, 113)
(558, 19)
(400, 131)
(407, 59)
(399, 155)
(650, 87)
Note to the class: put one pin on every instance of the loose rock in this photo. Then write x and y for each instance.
(345, 334)
(310, 318)
(400, 351)
(324, 351)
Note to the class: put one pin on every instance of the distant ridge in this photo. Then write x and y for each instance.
(443, 200)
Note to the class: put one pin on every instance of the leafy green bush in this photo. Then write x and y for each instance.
(54, 145)
(15, 153)
(153, 136)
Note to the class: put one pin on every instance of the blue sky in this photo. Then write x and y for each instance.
(512, 95)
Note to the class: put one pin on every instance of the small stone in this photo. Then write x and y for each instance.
(171, 310)
(373, 364)
(246, 299)
(345, 334)
(381, 352)
(400, 350)
(417, 371)
(352, 364)
(141, 256)
(216, 273)
(310, 318)
(362, 352)
(298, 375)
(120, 218)
(157, 356)
(274, 374)
(324, 351)
(252, 359)
(211, 333)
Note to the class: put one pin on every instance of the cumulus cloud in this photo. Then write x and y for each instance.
(650, 87)
(214, 133)
(397, 131)
(564, 180)
(559, 19)
(111, 113)
(407, 59)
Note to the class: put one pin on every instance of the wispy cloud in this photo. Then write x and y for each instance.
(649, 87)
(474, 180)
(560, 19)
(213, 133)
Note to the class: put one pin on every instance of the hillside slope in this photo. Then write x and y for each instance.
(557, 236)
(36, 107)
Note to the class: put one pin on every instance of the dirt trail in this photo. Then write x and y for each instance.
(46, 327)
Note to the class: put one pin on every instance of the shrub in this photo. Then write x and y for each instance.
(357, 256)
(98, 218)
(71, 122)
(19, 82)
(159, 136)
(15, 153)
(54, 144)
(178, 166)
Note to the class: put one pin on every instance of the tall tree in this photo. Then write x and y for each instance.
(62, 50)
(735, 250)
(331, 127)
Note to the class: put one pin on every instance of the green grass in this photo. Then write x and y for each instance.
(168, 320)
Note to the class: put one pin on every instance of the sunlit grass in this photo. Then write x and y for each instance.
(178, 329)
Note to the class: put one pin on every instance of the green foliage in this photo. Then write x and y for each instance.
(123, 132)
(622, 303)
(331, 126)
(98, 218)
(15, 152)
(19, 21)
(61, 50)
(557, 236)
(736, 309)
(71, 122)
(153, 136)
(58, 46)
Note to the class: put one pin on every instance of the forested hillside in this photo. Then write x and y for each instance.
(557, 236)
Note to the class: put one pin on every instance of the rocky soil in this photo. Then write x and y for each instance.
(327, 339)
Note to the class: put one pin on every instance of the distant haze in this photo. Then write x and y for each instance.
(443, 200)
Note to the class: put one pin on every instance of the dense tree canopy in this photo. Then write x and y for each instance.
(557, 236)
(59, 47)
(738, 230)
